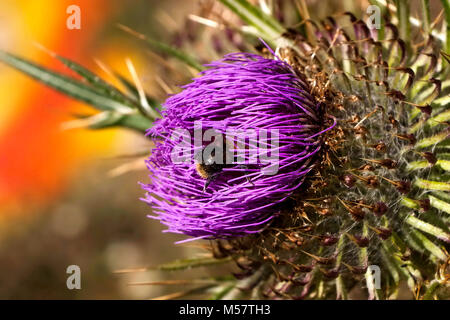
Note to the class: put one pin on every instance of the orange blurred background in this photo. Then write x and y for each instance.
(36, 156)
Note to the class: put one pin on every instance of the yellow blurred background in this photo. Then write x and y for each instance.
(37, 157)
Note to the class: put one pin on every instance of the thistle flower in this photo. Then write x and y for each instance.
(240, 94)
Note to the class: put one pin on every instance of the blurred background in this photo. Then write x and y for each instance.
(63, 199)
(71, 197)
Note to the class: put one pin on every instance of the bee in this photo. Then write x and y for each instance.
(210, 163)
(209, 169)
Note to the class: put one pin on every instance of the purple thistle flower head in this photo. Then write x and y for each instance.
(263, 115)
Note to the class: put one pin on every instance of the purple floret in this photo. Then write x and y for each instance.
(246, 92)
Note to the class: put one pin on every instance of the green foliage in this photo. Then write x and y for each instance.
(166, 49)
(265, 25)
(116, 108)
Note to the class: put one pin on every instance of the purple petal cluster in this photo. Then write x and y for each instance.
(242, 91)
